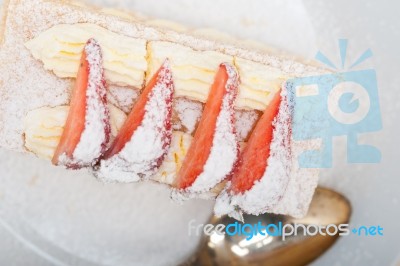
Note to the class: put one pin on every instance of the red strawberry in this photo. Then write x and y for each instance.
(144, 139)
(252, 162)
(214, 148)
(87, 129)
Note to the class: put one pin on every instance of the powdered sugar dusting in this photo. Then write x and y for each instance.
(143, 154)
(224, 150)
(96, 133)
(188, 113)
(245, 121)
(269, 190)
(123, 97)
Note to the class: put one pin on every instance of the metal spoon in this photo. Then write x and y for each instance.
(327, 207)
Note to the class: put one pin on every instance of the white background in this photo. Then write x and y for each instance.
(93, 221)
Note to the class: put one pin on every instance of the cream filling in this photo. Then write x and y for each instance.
(259, 83)
(193, 71)
(43, 128)
(125, 63)
(180, 144)
(60, 48)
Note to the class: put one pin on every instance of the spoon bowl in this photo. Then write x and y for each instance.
(327, 207)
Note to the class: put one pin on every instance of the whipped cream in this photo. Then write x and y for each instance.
(194, 73)
(60, 47)
(180, 144)
(126, 62)
(193, 70)
(43, 128)
(258, 84)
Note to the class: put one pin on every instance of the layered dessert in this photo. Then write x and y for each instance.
(133, 99)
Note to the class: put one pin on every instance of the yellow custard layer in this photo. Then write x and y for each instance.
(128, 61)
(193, 71)
(43, 128)
(258, 84)
(60, 49)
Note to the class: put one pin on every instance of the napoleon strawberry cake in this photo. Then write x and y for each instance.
(132, 100)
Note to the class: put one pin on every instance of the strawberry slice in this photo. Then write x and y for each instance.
(252, 162)
(144, 139)
(87, 129)
(214, 148)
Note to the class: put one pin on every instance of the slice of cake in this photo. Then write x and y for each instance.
(132, 99)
